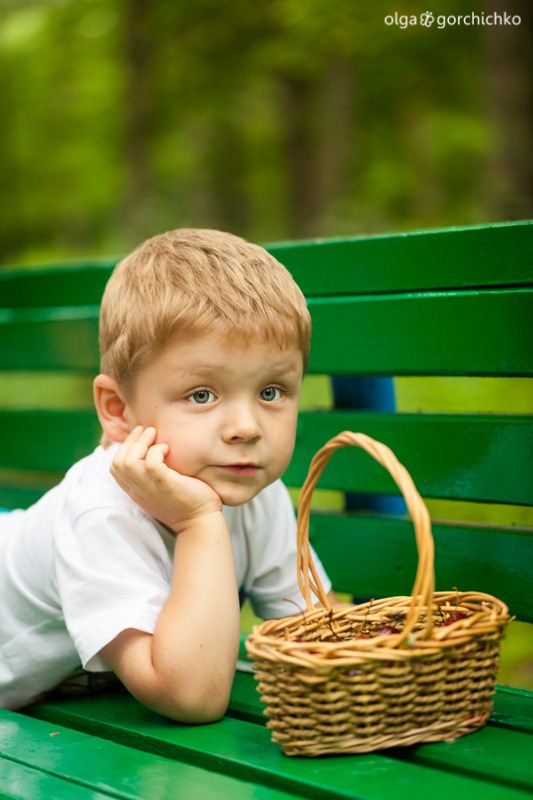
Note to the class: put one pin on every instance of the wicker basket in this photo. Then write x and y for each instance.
(390, 672)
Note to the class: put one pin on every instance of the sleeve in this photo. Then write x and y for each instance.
(113, 572)
(272, 585)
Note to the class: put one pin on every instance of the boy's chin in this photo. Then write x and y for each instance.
(237, 495)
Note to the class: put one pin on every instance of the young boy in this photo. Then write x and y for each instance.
(135, 561)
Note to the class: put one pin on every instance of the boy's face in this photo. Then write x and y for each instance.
(227, 410)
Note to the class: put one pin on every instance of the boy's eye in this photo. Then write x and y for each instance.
(271, 393)
(202, 396)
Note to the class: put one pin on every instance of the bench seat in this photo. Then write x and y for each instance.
(239, 746)
(454, 304)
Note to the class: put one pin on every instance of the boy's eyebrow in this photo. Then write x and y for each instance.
(208, 368)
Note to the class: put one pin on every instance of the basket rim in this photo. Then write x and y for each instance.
(281, 640)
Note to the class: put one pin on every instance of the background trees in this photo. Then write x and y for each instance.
(286, 118)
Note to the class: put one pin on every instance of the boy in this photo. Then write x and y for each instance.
(133, 564)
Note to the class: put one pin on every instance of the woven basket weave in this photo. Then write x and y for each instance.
(337, 681)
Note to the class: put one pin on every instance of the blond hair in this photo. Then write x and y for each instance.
(192, 281)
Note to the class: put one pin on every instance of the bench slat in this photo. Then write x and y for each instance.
(477, 333)
(109, 769)
(15, 497)
(244, 750)
(64, 437)
(454, 456)
(25, 783)
(448, 333)
(76, 284)
(428, 260)
(489, 747)
(379, 558)
(492, 255)
(513, 708)
(49, 339)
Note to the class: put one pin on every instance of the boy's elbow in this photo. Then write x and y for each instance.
(191, 706)
(198, 715)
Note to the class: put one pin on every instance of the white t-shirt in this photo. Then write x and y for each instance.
(86, 562)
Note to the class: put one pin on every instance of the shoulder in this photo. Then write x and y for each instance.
(89, 485)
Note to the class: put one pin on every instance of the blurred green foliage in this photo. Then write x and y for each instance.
(281, 119)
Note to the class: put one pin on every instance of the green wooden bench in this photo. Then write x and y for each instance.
(444, 303)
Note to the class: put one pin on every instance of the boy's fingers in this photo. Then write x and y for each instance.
(140, 434)
(134, 434)
(155, 456)
(136, 443)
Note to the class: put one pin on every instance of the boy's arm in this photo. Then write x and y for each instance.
(185, 669)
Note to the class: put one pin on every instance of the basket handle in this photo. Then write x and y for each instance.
(424, 585)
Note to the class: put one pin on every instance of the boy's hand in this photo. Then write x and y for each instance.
(173, 499)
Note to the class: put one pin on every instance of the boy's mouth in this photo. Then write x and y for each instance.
(241, 469)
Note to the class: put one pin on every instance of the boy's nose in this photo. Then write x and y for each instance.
(242, 425)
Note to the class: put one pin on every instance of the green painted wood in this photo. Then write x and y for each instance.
(244, 750)
(513, 708)
(506, 755)
(19, 782)
(373, 556)
(454, 456)
(46, 440)
(478, 333)
(66, 284)
(49, 339)
(448, 333)
(245, 702)
(15, 497)
(495, 255)
(111, 769)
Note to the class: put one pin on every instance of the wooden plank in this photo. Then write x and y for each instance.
(65, 284)
(63, 437)
(447, 333)
(14, 497)
(478, 333)
(69, 759)
(244, 750)
(443, 259)
(245, 702)
(20, 782)
(513, 708)
(49, 339)
(488, 255)
(506, 755)
(379, 558)
(453, 456)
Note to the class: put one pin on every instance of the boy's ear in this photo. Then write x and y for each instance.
(111, 408)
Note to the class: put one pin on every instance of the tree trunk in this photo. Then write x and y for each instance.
(318, 140)
(509, 50)
(137, 117)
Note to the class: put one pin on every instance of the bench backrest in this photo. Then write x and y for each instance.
(445, 303)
